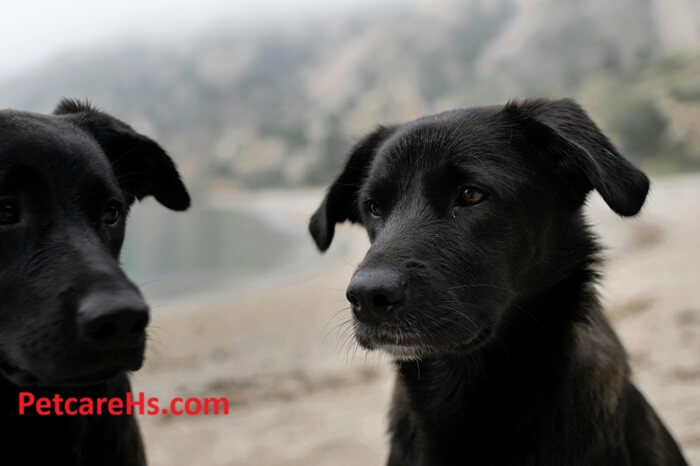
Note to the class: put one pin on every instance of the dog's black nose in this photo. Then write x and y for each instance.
(375, 294)
(113, 321)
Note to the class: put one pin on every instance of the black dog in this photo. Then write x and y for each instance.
(71, 322)
(480, 282)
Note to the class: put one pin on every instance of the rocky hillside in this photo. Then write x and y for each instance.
(279, 106)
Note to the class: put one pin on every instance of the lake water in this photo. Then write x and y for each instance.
(168, 254)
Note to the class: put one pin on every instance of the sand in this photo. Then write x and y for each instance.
(300, 391)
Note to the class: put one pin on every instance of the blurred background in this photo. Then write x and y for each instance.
(258, 101)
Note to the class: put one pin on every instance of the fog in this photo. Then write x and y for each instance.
(33, 31)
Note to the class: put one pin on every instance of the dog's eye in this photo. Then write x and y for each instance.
(9, 212)
(374, 208)
(470, 197)
(467, 198)
(112, 213)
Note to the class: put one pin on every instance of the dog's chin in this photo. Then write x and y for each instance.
(406, 345)
(92, 376)
(408, 353)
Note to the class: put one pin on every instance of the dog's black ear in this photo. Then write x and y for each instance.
(340, 203)
(584, 153)
(142, 166)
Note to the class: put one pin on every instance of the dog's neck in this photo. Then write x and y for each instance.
(67, 439)
(10, 394)
(9, 388)
(506, 389)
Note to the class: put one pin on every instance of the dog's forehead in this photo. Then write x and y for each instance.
(480, 141)
(52, 144)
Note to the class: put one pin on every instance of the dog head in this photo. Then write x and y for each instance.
(470, 212)
(69, 315)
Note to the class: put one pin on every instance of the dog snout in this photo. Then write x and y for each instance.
(113, 321)
(376, 294)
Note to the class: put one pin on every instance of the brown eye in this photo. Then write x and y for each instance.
(375, 209)
(470, 197)
(112, 213)
(9, 212)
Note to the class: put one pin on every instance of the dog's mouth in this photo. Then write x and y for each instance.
(407, 344)
(117, 366)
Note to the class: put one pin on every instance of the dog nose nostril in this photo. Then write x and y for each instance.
(352, 299)
(389, 296)
(381, 301)
(102, 330)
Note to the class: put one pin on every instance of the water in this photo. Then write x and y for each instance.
(169, 254)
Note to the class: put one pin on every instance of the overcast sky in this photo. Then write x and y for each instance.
(33, 30)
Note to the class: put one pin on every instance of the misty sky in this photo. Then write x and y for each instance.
(33, 30)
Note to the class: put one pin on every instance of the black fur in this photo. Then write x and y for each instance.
(504, 356)
(142, 167)
(61, 177)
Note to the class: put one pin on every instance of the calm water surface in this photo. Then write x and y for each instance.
(169, 254)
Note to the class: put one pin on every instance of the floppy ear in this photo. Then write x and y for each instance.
(585, 156)
(142, 166)
(340, 203)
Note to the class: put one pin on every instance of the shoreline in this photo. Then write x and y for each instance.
(288, 220)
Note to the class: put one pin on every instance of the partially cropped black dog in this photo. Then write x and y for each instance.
(480, 282)
(71, 322)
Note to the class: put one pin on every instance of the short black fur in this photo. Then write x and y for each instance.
(71, 322)
(480, 281)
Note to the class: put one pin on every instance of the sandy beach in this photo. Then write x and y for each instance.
(300, 391)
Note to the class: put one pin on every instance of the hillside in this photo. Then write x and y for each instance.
(279, 106)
